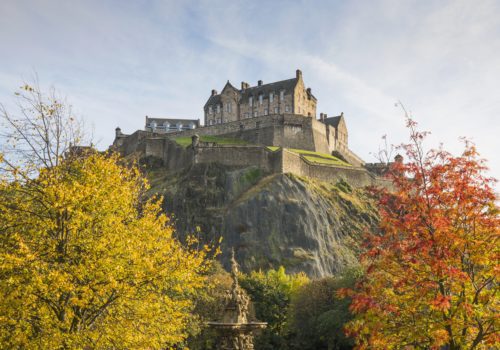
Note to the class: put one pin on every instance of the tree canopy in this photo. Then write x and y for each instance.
(86, 260)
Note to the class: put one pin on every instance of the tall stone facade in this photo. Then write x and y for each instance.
(287, 96)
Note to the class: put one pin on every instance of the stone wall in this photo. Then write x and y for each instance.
(240, 156)
(356, 176)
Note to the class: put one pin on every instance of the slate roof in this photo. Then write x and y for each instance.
(172, 121)
(333, 121)
(288, 85)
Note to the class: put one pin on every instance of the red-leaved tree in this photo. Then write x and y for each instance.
(432, 273)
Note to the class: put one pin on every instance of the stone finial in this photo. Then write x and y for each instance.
(214, 92)
(298, 74)
(118, 131)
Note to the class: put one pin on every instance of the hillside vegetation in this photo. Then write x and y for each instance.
(271, 220)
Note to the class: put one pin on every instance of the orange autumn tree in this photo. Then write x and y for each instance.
(432, 274)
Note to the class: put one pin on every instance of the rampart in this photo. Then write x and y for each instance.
(282, 130)
(175, 157)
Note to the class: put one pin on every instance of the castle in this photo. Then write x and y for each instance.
(269, 126)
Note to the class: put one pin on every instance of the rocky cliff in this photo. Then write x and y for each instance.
(270, 220)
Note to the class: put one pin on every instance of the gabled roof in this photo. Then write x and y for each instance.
(265, 89)
(229, 86)
(212, 100)
(333, 121)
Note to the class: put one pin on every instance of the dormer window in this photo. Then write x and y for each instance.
(153, 125)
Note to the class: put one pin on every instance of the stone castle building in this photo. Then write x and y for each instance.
(287, 96)
(280, 114)
(167, 125)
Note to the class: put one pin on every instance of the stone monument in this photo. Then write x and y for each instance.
(235, 331)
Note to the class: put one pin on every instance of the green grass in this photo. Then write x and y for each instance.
(186, 141)
(319, 158)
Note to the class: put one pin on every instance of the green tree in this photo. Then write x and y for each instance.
(271, 293)
(317, 316)
(86, 261)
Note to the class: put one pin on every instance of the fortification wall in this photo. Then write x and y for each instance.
(320, 138)
(355, 176)
(285, 130)
(240, 156)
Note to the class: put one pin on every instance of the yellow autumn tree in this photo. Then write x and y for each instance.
(86, 262)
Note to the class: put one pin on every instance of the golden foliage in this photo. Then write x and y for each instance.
(86, 262)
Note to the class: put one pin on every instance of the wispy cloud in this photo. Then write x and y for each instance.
(118, 61)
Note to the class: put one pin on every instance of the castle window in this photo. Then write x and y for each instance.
(265, 111)
(228, 107)
(261, 99)
(250, 101)
(271, 97)
(218, 108)
(282, 95)
(276, 110)
(287, 108)
(210, 110)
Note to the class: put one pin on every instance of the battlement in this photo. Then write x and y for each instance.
(175, 157)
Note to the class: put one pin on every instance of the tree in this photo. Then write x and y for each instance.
(271, 293)
(86, 260)
(432, 275)
(39, 135)
(317, 318)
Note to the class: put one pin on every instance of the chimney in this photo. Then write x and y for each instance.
(214, 92)
(321, 117)
(118, 131)
(259, 82)
(325, 116)
(244, 85)
(298, 74)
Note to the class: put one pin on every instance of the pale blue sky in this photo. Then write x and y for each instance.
(118, 61)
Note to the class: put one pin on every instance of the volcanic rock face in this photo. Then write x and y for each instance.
(269, 220)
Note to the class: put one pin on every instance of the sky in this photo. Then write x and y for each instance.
(118, 61)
